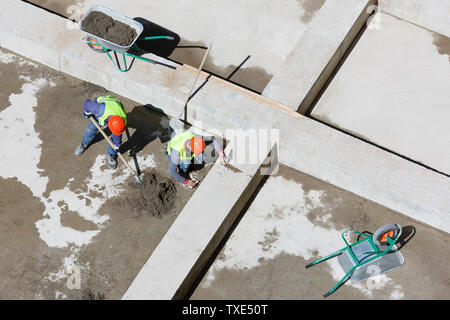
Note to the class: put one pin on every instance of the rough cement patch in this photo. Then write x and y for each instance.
(442, 44)
(62, 104)
(24, 257)
(76, 230)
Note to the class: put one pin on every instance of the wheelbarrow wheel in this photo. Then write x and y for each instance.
(94, 47)
(389, 230)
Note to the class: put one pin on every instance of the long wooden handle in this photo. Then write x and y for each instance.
(198, 73)
(112, 145)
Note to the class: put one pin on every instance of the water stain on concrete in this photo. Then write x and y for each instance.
(254, 78)
(310, 8)
(442, 44)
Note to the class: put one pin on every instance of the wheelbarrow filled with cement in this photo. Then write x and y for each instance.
(107, 30)
(373, 255)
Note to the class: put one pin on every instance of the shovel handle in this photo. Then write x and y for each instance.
(112, 145)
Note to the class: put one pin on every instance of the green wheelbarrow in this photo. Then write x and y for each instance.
(101, 45)
(374, 254)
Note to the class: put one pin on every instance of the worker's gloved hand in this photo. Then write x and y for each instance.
(87, 115)
(192, 183)
(223, 158)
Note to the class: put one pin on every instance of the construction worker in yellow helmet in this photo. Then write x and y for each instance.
(184, 150)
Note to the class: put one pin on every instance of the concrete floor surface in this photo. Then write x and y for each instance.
(69, 225)
(296, 219)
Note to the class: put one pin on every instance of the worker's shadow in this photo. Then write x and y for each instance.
(149, 123)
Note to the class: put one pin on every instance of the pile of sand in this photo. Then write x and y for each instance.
(155, 196)
(105, 27)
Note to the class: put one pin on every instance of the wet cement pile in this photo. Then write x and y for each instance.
(105, 27)
(155, 196)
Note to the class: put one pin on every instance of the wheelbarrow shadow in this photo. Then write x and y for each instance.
(160, 47)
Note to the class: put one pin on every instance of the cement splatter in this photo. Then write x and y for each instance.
(310, 8)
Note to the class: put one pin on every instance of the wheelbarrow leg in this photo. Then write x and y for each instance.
(341, 282)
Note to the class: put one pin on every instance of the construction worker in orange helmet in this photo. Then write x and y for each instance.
(185, 149)
(108, 111)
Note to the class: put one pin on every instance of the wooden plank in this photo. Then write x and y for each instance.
(196, 78)
(249, 93)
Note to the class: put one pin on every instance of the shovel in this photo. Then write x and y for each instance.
(135, 174)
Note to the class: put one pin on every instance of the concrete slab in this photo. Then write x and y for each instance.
(393, 90)
(431, 14)
(317, 53)
(71, 228)
(182, 254)
(296, 219)
(264, 30)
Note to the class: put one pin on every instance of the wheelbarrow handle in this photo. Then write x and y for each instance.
(158, 37)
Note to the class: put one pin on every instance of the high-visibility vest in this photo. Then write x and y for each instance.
(113, 107)
(177, 143)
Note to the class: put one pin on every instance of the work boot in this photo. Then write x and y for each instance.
(80, 149)
(112, 161)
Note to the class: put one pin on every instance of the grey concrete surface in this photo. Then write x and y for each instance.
(317, 53)
(296, 219)
(393, 90)
(70, 228)
(267, 31)
(304, 145)
(430, 14)
(322, 151)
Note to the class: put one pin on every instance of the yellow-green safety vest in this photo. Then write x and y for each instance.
(177, 143)
(113, 107)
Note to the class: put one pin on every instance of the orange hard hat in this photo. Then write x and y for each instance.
(116, 125)
(197, 145)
